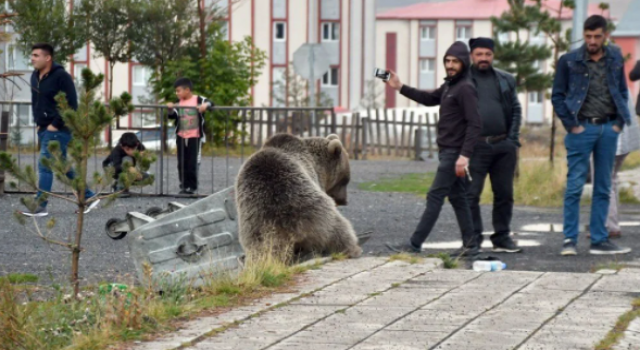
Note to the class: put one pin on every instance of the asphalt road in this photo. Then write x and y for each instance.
(391, 216)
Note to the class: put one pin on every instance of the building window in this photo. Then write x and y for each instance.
(330, 78)
(463, 33)
(540, 36)
(16, 60)
(331, 31)
(77, 73)
(427, 33)
(279, 31)
(503, 37)
(536, 97)
(427, 65)
(141, 75)
(224, 30)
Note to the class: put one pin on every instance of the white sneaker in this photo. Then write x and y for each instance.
(91, 206)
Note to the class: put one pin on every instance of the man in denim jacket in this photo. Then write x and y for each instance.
(590, 97)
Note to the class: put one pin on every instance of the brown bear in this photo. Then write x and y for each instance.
(287, 195)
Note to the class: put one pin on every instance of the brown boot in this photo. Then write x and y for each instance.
(615, 234)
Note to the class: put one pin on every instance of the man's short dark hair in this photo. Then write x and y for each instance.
(594, 22)
(183, 83)
(46, 47)
(129, 139)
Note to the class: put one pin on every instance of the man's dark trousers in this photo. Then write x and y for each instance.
(498, 160)
(446, 184)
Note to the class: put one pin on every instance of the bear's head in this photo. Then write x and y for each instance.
(337, 174)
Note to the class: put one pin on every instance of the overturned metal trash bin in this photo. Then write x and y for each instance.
(188, 243)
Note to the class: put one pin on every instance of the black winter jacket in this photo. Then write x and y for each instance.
(43, 93)
(510, 103)
(634, 75)
(115, 159)
(459, 125)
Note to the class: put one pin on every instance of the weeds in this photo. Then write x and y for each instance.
(447, 261)
(20, 278)
(104, 315)
(338, 256)
(408, 258)
(611, 265)
(614, 335)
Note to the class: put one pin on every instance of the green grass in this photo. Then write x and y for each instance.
(632, 161)
(447, 260)
(20, 278)
(628, 197)
(408, 258)
(613, 337)
(408, 183)
(611, 265)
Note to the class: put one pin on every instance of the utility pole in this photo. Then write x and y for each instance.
(579, 16)
(313, 40)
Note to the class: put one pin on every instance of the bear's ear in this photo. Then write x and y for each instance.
(333, 137)
(335, 147)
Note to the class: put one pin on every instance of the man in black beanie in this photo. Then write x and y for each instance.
(495, 154)
(458, 130)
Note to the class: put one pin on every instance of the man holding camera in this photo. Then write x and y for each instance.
(459, 128)
(495, 154)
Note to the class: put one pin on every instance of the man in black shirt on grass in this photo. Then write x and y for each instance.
(495, 154)
(459, 128)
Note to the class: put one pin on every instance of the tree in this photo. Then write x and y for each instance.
(165, 31)
(225, 76)
(293, 91)
(110, 31)
(86, 124)
(49, 21)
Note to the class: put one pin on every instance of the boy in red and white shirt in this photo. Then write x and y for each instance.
(189, 132)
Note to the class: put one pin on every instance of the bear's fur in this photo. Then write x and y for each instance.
(287, 194)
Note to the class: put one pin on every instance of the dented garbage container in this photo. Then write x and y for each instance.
(187, 243)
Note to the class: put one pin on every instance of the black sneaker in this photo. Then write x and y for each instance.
(406, 247)
(568, 248)
(506, 246)
(39, 212)
(466, 252)
(607, 248)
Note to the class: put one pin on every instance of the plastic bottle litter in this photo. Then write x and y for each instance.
(488, 265)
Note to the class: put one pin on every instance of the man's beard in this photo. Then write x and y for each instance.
(594, 50)
(483, 66)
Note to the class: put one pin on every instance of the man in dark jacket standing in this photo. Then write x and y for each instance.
(49, 79)
(495, 153)
(459, 128)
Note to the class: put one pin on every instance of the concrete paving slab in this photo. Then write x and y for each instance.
(433, 321)
(618, 283)
(467, 301)
(508, 320)
(561, 281)
(293, 345)
(501, 280)
(483, 340)
(329, 335)
(555, 339)
(401, 297)
(545, 300)
(584, 319)
(401, 340)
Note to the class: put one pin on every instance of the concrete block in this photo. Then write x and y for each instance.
(606, 272)
(467, 301)
(401, 297)
(500, 280)
(583, 319)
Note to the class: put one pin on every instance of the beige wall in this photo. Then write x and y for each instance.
(262, 32)
(345, 43)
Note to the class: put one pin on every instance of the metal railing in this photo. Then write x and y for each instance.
(236, 131)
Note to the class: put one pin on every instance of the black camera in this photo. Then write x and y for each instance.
(382, 74)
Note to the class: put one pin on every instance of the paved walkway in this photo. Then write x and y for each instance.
(373, 304)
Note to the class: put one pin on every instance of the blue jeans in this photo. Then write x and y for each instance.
(45, 181)
(602, 141)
